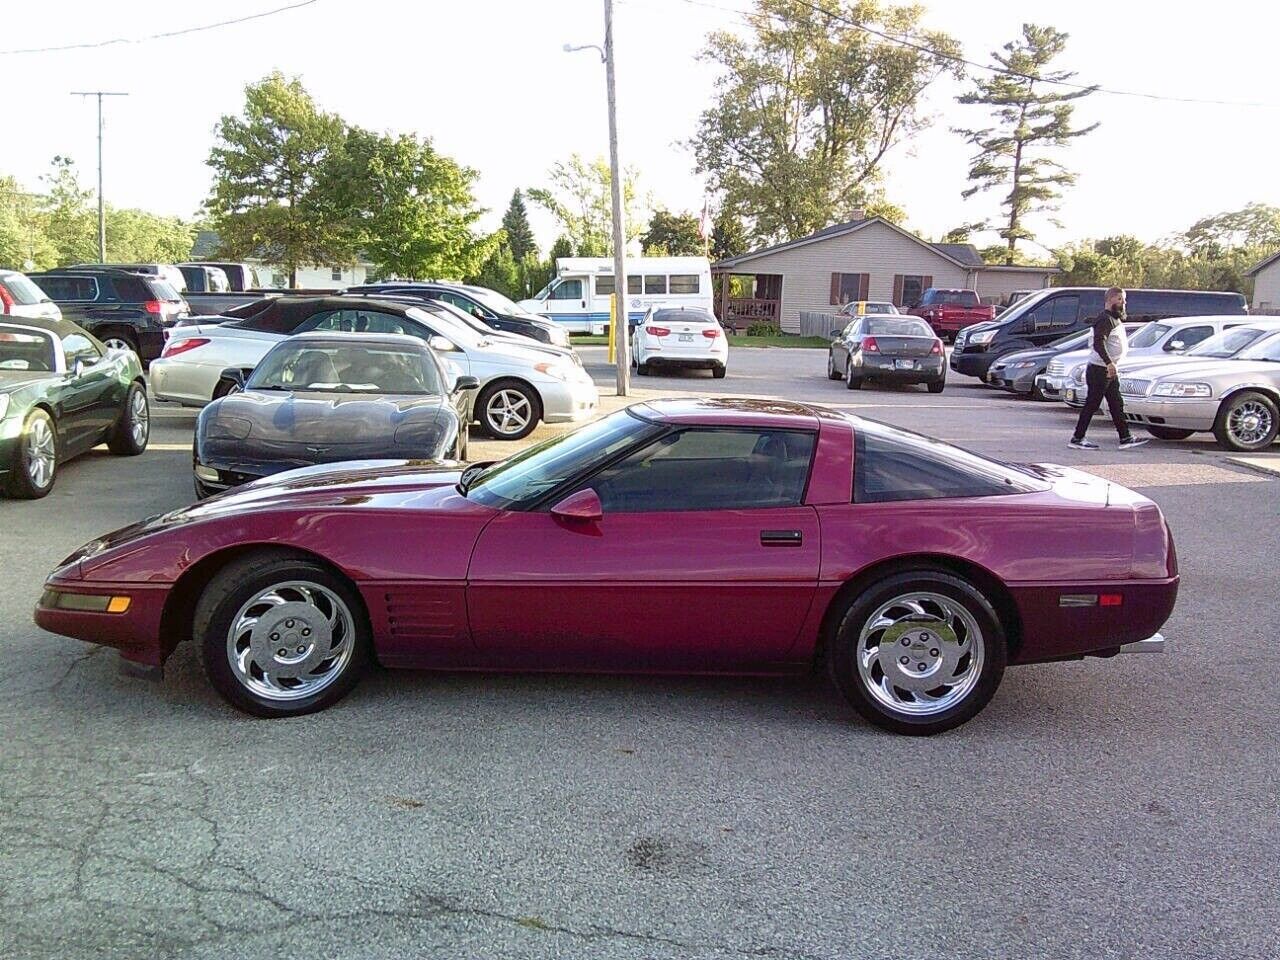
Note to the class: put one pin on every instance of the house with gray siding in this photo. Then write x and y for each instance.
(864, 259)
(1266, 285)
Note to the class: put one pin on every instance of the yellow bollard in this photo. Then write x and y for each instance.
(613, 323)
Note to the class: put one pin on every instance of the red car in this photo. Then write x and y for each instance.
(703, 536)
(950, 311)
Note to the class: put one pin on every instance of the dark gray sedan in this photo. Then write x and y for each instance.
(893, 349)
(320, 398)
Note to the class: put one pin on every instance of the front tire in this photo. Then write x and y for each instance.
(1168, 433)
(281, 635)
(132, 430)
(1246, 422)
(36, 465)
(918, 653)
(509, 410)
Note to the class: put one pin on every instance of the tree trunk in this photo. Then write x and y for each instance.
(293, 277)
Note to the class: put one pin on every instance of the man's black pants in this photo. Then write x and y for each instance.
(1100, 385)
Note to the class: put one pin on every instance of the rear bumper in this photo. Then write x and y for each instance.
(924, 370)
(187, 383)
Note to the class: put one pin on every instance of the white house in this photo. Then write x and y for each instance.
(864, 259)
(1266, 284)
(274, 275)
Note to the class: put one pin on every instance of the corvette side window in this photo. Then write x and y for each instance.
(709, 469)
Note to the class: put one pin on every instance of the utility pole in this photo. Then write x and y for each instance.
(622, 321)
(102, 219)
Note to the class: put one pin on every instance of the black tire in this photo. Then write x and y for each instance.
(22, 485)
(492, 392)
(719, 371)
(119, 338)
(850, 381)
(224, 388)
(936, 386)
(643, 369)
(1037, 393)
(1225, 428)
(238, 583)
(842, 651)
(1168, 433)
(129, 435)
(832, 372)
(203, 492)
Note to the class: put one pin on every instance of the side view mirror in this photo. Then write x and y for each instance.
(81, 366)
(465, 383)
(579, 508)
(1177, 346)
(442, 344)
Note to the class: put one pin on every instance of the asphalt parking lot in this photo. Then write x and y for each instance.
(1122, 808)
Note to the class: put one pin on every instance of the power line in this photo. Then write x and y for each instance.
(956, 58)
(95, 44)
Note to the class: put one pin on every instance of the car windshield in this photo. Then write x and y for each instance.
(333, 367)
(498, 303)
(529, 474)
(441, 319)
(898, 328)
(959, 298)
(879, 308)
(1071, 341)
(26, 350)
(1268, 350)
(1227, 344)
(162, 289)
(683, 315)
(1149, 335)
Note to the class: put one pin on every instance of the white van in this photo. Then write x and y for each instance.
(579, 295)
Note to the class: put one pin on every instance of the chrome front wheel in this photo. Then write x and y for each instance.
(1248, 421)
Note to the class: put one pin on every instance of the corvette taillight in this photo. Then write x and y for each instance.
(869, 345)
(175, 347)
(658, 331)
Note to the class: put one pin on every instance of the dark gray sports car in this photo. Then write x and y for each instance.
(320, 398)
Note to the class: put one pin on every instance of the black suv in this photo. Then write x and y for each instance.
(488, 306)
(1049, 314)
(124, 310)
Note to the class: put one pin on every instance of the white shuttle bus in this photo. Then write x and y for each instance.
(579, 295)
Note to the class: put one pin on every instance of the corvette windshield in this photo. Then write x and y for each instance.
(526, 476)
(326, 367)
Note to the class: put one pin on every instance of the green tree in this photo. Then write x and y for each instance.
(135, 236)
(728, 236)
(519, 234)
(1031, 115)
(672, 235)
(408, 208)
(500, 272)
(580, 198)
(808, 106)
(268, 164)
(23, 244)
(68, 216)
(1255, 225)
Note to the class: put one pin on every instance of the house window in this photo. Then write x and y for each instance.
(847, 287)
(335, 273)
(909, 288)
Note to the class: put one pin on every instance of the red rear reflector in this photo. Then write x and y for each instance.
(153, 306)
(869, 345)
(936, 348)
(1110, 599)
(711, 334)
(175, 347)
(658, 331)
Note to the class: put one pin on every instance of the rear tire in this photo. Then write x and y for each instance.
(719, 371)
(132, 430)
(1168, 433)
(832, 373)
(120, 340)
(643, 369)
(936, 386)
(333, 621)
(850, 381)
(961, 644)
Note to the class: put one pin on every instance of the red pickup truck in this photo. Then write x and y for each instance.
(949, 311)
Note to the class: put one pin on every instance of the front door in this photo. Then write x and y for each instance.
(704, 559)
(89, 401)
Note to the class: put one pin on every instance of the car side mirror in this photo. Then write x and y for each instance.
(442, 344)
(81, 366)
(578, 508)
(465, 383)
(1177, 346)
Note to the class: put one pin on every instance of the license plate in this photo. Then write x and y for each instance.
(905, 364)
(686, 338)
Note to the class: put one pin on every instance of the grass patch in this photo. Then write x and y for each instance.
(586, 340)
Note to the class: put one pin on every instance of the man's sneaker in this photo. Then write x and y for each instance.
(1128, 443)
(1083, 444)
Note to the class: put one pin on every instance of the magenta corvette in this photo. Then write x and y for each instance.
(690, 536)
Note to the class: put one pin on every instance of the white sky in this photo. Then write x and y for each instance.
(488, 82)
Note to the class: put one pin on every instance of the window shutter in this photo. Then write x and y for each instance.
(864, 286)
(835, 288)
(897, 289)
(926, 283)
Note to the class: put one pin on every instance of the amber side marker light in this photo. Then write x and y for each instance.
(84, 602)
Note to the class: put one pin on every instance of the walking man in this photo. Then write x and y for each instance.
(1108, 346)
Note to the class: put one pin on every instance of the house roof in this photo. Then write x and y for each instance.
(961, 254)
(1262, 264)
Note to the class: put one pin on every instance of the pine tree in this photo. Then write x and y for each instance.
(519, 234)
(1032, 111)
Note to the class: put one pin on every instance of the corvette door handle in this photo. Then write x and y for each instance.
(781, 538)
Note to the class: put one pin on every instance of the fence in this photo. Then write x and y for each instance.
(820, 324)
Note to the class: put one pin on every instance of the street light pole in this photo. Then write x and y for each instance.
(621, 321)
(102, 219)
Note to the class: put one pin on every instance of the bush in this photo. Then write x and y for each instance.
(763, 328)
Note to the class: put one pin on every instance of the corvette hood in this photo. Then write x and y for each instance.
(305, 418)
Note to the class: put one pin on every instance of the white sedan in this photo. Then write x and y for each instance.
(679, 337)
(519, 385)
